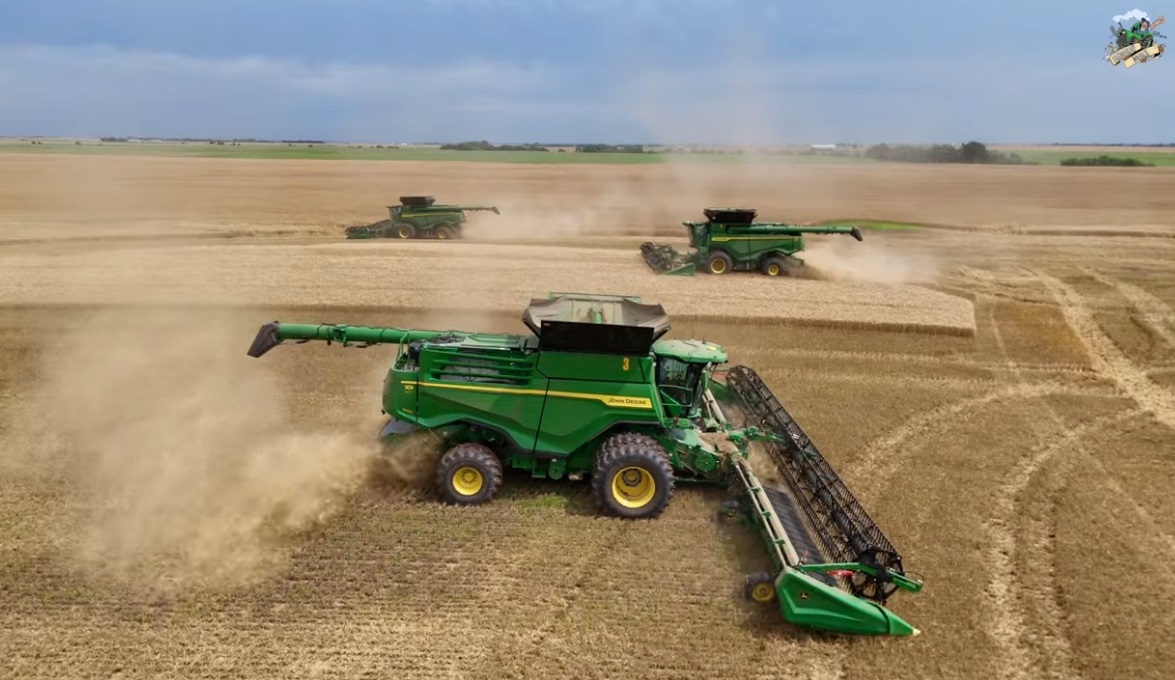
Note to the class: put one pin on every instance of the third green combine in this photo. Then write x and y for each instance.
(419, 217)
(731, 240)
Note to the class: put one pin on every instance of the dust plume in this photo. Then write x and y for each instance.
(179, 449)
(843, 258)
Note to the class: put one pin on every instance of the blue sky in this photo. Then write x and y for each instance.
(655, 71)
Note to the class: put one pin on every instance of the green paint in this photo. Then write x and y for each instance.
(730, 240)
(874, 225)
(419, 217)
(596, 380)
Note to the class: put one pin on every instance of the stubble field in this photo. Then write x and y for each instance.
(998, 389)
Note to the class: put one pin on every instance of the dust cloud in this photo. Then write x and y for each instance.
(843, 258)
(178, 448)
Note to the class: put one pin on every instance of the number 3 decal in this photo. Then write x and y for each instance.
(625, 363)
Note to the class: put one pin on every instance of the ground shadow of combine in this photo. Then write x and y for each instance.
(413, 480)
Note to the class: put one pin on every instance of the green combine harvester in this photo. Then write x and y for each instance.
(596, 390)
(419, 217)
(731, 240)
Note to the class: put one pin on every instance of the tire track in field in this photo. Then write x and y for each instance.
(1107, 358)
(1008, 627)
(883, 456)
(922, 360)
(1009, 624)
(1155, 312)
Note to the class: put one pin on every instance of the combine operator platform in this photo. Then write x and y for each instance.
(834, 569)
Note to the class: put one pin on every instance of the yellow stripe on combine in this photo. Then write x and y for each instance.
(751, 238)
(614, 400)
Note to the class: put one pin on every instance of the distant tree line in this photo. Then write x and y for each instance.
(486, 146)
(213, 140)
(1103, 144)
(610, 148)
(1107, 160)
(971, 152)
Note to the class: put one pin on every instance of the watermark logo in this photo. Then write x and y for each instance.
(1135, 39)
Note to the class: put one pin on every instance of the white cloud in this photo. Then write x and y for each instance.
(104, 90)
(738, 97)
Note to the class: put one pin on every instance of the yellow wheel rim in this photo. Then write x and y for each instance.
(718, 266)
(773, 270)
(762, 592)
(442, 234)
(404, 232)
(633, 487)
(467, 481)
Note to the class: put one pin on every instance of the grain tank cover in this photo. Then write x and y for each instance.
(417, 201)
(731, 215)
(602, 324)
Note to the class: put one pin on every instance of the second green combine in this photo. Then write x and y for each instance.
(596, 391)
(731, 240)
(419, 217)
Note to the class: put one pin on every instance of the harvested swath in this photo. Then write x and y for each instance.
(459, 276)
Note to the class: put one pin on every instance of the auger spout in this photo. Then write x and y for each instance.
(274, 333)
(491, 208)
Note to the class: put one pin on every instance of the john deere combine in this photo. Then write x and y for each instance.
(419, 217)
(731, 240)
(596, 390)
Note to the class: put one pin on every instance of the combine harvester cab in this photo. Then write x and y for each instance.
(419, 217)
(597, 391)
(731, 240)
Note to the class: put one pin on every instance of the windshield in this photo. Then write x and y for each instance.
(696, 236)
(678, 383)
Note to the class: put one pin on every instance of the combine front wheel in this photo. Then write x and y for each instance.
(632, 477)
(719, 263)
(774, 266)
(405, 231)
(469, 474)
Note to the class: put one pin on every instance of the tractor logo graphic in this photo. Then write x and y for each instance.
(1134, 39)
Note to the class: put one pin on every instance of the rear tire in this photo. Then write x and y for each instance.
(404, 230)
(632, 477)
(446, 233)
(469, 474)
(719, 263)
(774, 266)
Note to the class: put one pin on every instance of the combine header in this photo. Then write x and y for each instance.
(596, 390)
(731, 240)
(419, 217)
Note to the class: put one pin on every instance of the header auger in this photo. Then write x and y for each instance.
(731, 240)
(596, 390)
(419, 217)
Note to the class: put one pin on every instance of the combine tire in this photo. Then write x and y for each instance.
(631, 477)
(469, 474)
(760, 587)
(446, 232)
(405, 231)
(774, 266)
(719, 263)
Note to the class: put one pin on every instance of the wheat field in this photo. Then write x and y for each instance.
(998, 390)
